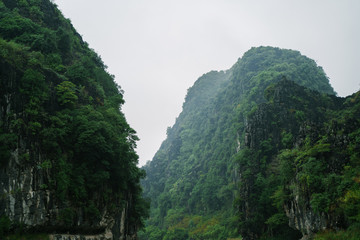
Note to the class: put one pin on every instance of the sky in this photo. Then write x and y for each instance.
(157, 49)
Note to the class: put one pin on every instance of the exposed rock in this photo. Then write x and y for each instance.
(267, 124)
(305, 219)
(24, 201)
(80, 237)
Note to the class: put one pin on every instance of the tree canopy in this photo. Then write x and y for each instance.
(61, 112)
(217, 168)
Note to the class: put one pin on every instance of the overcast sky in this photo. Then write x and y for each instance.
(158, 48)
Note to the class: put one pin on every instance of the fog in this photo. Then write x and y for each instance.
(157, 49)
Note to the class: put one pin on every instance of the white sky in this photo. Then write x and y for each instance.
(158, 48)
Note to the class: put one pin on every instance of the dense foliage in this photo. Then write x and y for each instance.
(302, 150)
(219, 175)
(60, 112)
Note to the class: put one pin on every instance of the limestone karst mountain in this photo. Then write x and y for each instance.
(262, 150)
(67, 157)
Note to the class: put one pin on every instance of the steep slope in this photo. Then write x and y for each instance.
(196, 177)
(67, 158)
(303, 155)
(300, 162)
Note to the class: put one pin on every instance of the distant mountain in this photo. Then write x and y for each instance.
(262, 150)
(67, 158)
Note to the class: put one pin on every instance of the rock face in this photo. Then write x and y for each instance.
(285, 126)
(24, 201)
(21, 201)
(303, 218)
(79, 237)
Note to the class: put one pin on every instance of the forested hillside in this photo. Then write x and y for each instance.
(254, 152)
(67, 154)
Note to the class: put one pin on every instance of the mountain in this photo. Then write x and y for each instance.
(264, 150)
(67, 154)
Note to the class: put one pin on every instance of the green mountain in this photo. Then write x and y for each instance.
(264, 150)
(67, 158)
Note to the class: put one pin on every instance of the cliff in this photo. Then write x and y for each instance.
(67, 154)
(298, 147)
(247, 156)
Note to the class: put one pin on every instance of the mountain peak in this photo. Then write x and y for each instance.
(225, 149)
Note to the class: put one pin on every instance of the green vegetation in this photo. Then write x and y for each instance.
(247, 143)
(313, 163)
(352, 233)
(60, 111)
